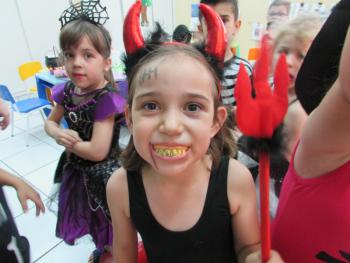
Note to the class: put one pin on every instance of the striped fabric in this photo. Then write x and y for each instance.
(230, 78)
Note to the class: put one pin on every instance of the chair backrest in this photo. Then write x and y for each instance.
(6, 94)
(28, 69)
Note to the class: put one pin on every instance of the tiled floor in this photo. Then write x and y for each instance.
(36, 164)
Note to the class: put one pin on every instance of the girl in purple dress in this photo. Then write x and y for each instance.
(93, 110)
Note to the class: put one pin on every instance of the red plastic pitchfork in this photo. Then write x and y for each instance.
(258, 117)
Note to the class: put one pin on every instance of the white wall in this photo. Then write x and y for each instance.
(30, 28)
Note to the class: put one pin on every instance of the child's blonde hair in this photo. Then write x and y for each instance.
(303, 28)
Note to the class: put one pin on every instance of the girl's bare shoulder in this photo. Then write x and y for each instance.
(239, 177)
(240, 185)
(118, 180)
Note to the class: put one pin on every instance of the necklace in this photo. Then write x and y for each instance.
(84, 94)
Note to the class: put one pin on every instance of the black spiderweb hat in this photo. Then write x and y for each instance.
(89, 10)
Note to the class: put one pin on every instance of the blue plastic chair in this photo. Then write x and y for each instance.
(25, 106)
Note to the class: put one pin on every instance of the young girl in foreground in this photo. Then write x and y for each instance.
(90, 104)
(179, 186)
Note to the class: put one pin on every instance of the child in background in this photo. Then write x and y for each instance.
(293, 39)
(179, 186)
(93, 109)
(144, 17)
(13, 247)
(228, 12)
(312, 221)
(277, 15)
(182, 34)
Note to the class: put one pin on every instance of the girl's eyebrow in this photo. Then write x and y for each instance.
(88, 49)
(157, 94)
(196, 95)
(147, 94)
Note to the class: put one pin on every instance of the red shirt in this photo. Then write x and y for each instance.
(313, 217)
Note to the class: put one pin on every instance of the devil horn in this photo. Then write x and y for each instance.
(132, 35)
(216, 39)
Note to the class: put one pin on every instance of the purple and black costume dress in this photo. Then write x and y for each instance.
(82, 204)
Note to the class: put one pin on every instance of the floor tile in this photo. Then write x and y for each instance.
(40, 232)
(42, 178)
(6, 134)
(64, 253)
(35, 120)
(16, 144)
(32, 158)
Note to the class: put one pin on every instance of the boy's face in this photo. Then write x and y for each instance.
(277, 13)
(224, 10)
(295, 51)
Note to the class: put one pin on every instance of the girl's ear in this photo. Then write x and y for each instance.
(221, 115)
(108, 64)
(128, 118)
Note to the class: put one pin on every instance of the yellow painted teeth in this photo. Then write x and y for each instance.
(170, 152)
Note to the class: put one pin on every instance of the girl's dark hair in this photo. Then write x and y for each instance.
(222, 143)
(233, 3)
(182, 34)
(100, 38)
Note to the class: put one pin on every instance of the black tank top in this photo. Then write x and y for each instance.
(209, 240)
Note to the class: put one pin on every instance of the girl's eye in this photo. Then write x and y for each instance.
(193, 107)
(301, 56)
(150, 106)
(68, 55)
(88, 55)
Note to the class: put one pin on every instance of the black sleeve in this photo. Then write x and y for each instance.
(9, 237)
(320, 67)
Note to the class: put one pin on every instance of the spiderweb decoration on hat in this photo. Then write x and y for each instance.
(89, 10)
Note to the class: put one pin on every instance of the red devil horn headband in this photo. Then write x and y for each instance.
(216, 39)
(133, 39)
(216, 42)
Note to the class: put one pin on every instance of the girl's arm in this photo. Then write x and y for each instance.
(64, 137)
(4, 115)
(98, 147)
(24, 191)
(243, 206)
(325, 144)
(293, 124)
(124, 233)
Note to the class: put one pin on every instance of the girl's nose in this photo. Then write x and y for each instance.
(77, 61)
(291, 59)
(171, 123)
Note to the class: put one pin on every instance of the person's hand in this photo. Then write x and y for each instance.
(255, 257)
(25, 192)
(67, 138)
(4, 115)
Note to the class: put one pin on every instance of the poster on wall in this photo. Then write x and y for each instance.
(258, 30)
(305, 8)
(194, 17)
